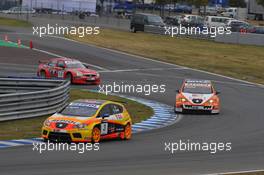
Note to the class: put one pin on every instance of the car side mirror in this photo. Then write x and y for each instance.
(178, 91)
(217, 92)
(105, 116)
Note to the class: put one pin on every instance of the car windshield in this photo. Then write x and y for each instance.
(197, 88)
(74, 64)
(154, 19)
(80, 109)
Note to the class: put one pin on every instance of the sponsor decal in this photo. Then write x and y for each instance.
(89, 105)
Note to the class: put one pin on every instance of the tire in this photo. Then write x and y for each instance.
(69, 77)
(133, 29)
(42, 74)
(128, 132)
(96, 135)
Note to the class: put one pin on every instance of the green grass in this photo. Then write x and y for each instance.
(10, 44)
(29, 128)
(239, 61)
(14, 22)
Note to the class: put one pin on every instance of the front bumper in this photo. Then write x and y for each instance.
(86, 80)
(196, 108)
(60, 135)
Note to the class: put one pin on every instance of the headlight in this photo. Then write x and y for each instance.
(80, 126)
(47, 123)
(97, 75)
(183, 100)
(79, 74)
(211, 101)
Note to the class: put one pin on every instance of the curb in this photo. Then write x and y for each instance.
(163, 116)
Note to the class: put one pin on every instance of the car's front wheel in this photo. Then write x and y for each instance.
(96, 135)
(42, 74)
(128, 132)
(69, 77)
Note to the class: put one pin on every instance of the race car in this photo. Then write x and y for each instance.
(88, 121)
(197, 96)
(70, 69)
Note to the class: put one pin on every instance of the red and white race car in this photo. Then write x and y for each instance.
(197, 95)
(70, 69)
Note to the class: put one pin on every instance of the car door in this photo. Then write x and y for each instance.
(60, 69)
(104, 115)
(51, 68)
(117, 118)
(139, 23)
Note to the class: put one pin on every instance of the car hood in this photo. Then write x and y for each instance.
(59, 118)
(204, 97)
(85, 71)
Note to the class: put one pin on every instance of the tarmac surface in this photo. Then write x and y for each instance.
(240, 121)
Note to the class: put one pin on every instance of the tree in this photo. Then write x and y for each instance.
(237, 3)
(162, 3)
(260, 2)
(199, 3)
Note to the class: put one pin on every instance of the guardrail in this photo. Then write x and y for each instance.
(26, 98)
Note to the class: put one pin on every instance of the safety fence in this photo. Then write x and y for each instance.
(26, 98)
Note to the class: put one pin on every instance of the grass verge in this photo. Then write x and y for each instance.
(10, 44)
(239, 61)
(29, 128)
(14, 22)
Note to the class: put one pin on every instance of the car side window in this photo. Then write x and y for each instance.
(137, 19)
(116, 109)
(52, 63)
(105, 110)
(61, 64)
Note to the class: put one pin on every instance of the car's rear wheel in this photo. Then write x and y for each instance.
(128, 132)
(69, 77)
(96, 135)
(42, 74)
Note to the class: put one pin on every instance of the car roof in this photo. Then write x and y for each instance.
(218, 17)
(93, 101)
(146, 14)
(62, 59)
(197, 81)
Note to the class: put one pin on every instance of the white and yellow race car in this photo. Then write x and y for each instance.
(88, 121)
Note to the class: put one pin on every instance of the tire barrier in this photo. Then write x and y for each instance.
(26, 98)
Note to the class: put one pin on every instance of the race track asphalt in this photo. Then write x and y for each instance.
(240, 122)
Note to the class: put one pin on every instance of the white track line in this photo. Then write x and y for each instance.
(145, 58)
(157, 61)
(56, 55)
(135, 70)
(10, 143)
(237, 172)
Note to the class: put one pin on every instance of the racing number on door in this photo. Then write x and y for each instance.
(104, 128)
(105, 112)
(60, 74)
